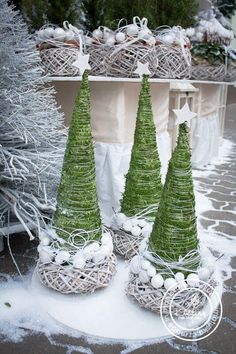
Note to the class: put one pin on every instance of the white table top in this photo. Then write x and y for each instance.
(130, 80)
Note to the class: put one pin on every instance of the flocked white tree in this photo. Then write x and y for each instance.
(31, 132)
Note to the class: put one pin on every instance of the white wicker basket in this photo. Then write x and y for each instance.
(208, 72)
(59, 61)
(67, 279)
(125, 244)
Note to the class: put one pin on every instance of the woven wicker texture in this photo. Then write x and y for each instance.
(67, 279)
(125, 244)
(171, 62)
(150, 298)
(208, 72)
(98, 54)
(58, 61)
(123, 62)
(230, 75)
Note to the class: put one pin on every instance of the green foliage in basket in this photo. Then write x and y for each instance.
(77, 204)
(174, 232)
(211, 53)
(143, 182)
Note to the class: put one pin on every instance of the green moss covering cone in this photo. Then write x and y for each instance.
(77, 204)
(174, 232)
(143, 182)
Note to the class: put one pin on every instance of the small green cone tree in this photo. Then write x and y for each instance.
(77, 203)
(143, 182)
(174, 232)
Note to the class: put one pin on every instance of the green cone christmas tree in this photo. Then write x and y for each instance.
(174, 232)
(77, 203)
(143, 182)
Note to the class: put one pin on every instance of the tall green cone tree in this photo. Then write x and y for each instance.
(77, 203)
(143, 182)
(174, 232)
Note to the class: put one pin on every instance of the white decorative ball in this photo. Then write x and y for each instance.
(105, 250)
(69, 35)
(64, 255)
(146, 231)
(106, 238)
(98, 257)
(49, 32)
(88, 256)
(79, 262)
(58, 259)
(134, 221)
(59, 34)
(142, 222)
(45, 240)
(182, 285)
(39, 248)
(151, 40)
(142, 246)
(204, 274)
(110, 41)
(120, 218)
(120, 37)
(157, 281)
(170, 283)
(168, 38)
(45, 257)
(144, 33)
(41, 35)
(179, 276)
(92, 247)
(145, 264)
(144, 277)
(151, 271)
(97, 34)
(136, 231)
(132, 30)
(111, 246)
(127, 226)
(193, 279)
(135, 264)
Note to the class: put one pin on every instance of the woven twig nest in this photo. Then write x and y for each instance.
(172, 63)
(68, 279)
(150, 298)
(230, 75)
(125, 244)
(98, 53)
(59, 61)
(208, 72)
(123, 62)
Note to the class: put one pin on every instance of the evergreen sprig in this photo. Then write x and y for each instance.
(174, 232)
(77, 203)
(143, 182)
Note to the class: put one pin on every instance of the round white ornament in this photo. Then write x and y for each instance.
(97, 34)
(193, 279)
(58, 259)
(144, 33)
(64, 255)
(145, 264)
(132, 30)
(59, 34)
(142, 222)
(79, 262)
(179, 276)
(136, 231)
(168, 38)
(120, 37)
(170, 283)
(120, 218)
(45, 257)
(135, 264)
(151, 40)
(92, 247)
(106, 238)
(204, 274)
(41, 35)
(127, 226)
(110, 41)
(45, 240)
(182, 285)
(105, 250)
(134, 222)
(157, 281)
(143, 277)
(151, 271)
(98, 257)
(49, 32)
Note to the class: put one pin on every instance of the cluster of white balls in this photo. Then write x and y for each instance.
(147, 274)
(58, 34)
(136, 226)
(210, 27)
(94, 252)
(109, 37)
(174, 36)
